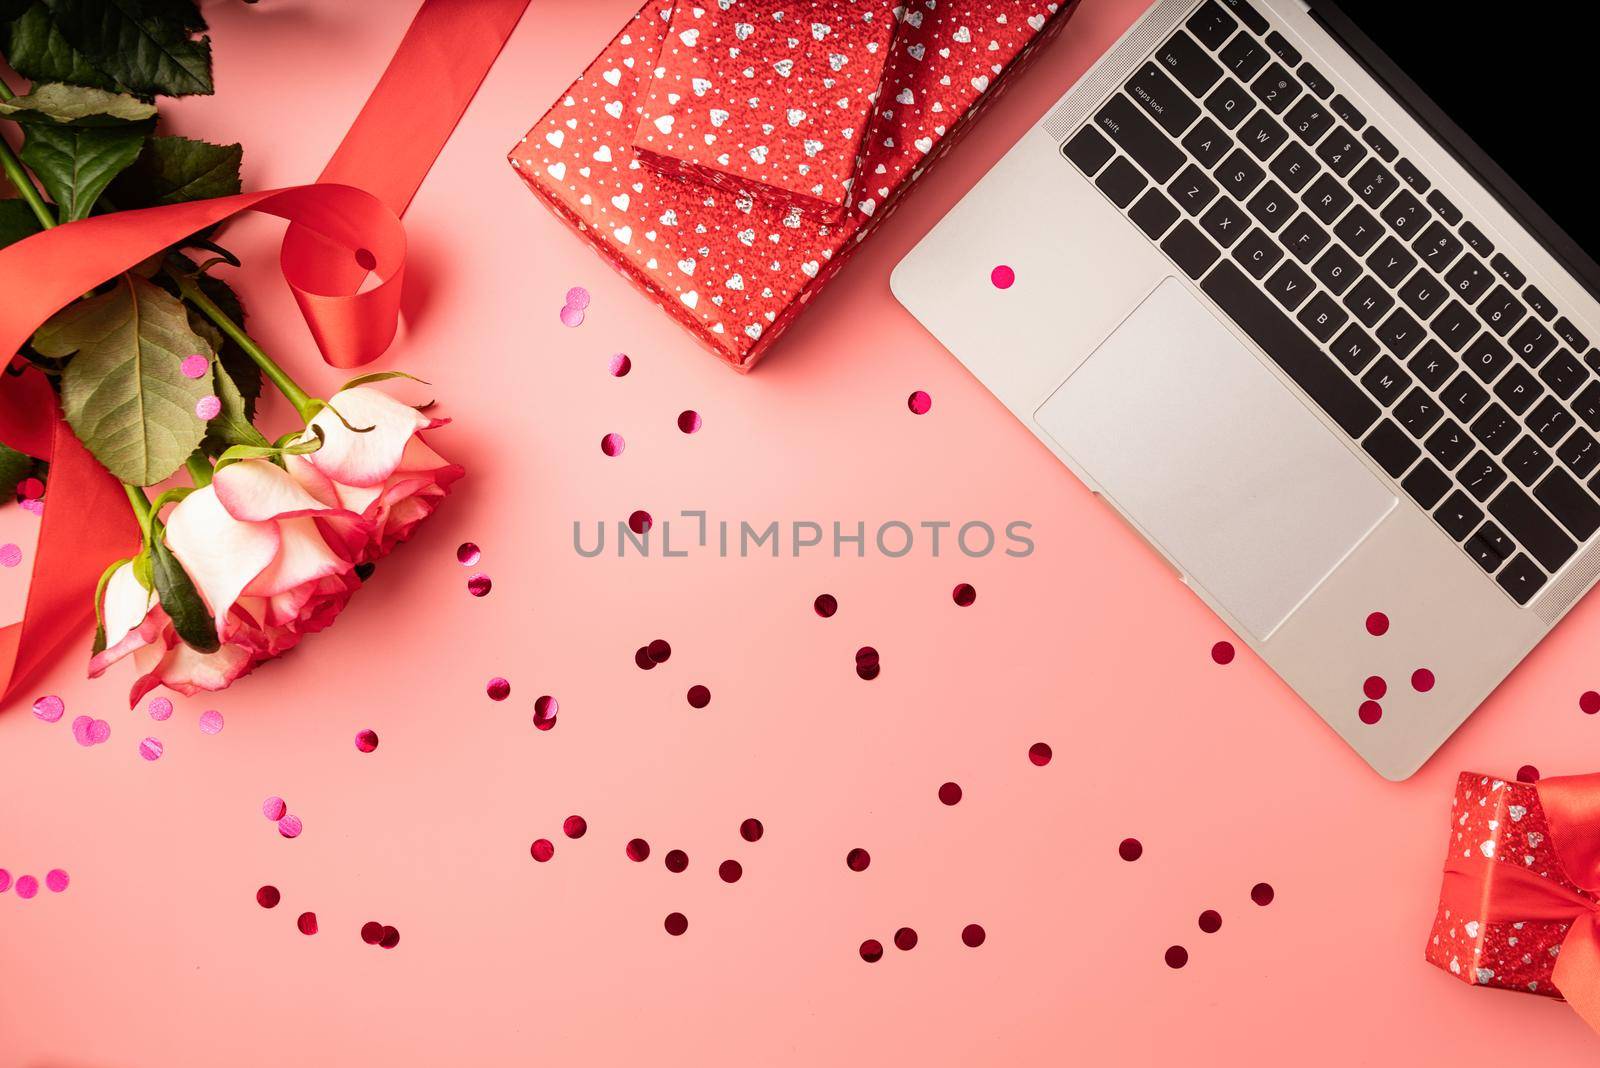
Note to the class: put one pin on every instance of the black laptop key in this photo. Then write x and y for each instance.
(1481, 476)
(1290, 285)
(1518, 389)
(1372, 183)
(1501, 310)
(1432, 364)
(1426, 483)
(1532, 341)
(1326, 198)
(1275, 88)
(1385, 381)
(1358, 229)
(1507, 270)
(1389, 445)
(1586, 405)
(1592, 358)
(1289, 347)
(1336, 269)
(1161, 100)
(1230, 103)
(1188, 62)
(1449, 444)
(1570, 334)
(1532, 529)
(1405, 215)
(1189, 249)
(1322, 317)
(1121, 181)
(1271, 206)
(1368, 301)
(1089, 150)
(1192, 190)
(1347, 112)
(1294, 167)
(1239, 174)
(1486, 357)
(1539, 303)
(1527, 459)
(1257, 253)
(1283, 49)
(1353, 348)
(1495, 429)
(1550, 422)
(1153, 213)
(1380, 144)
(1341, 151)
(1483, 553)
(1476, 240)
(1262, 135)
(1442, 204)
(1580, 452)
(1400, 333)
(1308, 120)
(1454, 325)
(1411, 176)
(1521, 579)
(1423, 293)
(1458, 515)
(1207, 142)
(1437, 246)
(1211, 25)
(1417, 412)
(1247, 15)
(1312, 79)
(1563, 373)
(1570, 503)
(1391, 262)
(1496, 539)
(1303, 238)
(1123, 122)
(1225, 221)
(1244, 57)
(1468, 279)
(1463, 396)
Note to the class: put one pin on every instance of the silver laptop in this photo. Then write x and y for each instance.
(1266, 298)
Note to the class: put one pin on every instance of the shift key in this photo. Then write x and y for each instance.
(1122, 121)
(1166, 103)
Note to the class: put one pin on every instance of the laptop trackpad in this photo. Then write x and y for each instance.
(1216, 459)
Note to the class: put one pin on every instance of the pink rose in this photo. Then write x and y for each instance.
(387, 475)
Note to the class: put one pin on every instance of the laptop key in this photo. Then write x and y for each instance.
(1476, 240)
(1454, 325)
(1380, 144)
(1188, 62)
(1247, 15)
(1481, 476)
(1121, 181)
(1464, 397)
(1580, 452)
(1244, 57)
(1262, 135)
(1326, 198)
(1484, 554)
(1518, 389)
(1563, 373)
(1570, 503)
(1289, 347)
(1405, 214)
(1570, 334)
(1391, 262)
(1226, 222)
(1437, 246)
(1504, 268)
(1358, 229)
(1161, 100)
(1400, 333)
(1486, 357)
(1189, 249)
(1550, 422)
(1303, 238)
(1449, 445)
(1501, 310)
(1527, 460)
(1322, 317)
(1123, 122)
(1290, 285)
(1271, 206)
(1336, 269)
(1192, 190)
(1294, 167)
(1468, 279)
(1282, 48)
(1536, 532)
(1389, 445)
(1312, 78)
(1533, 342)
(1592, 358)
(1417, 412)
(1586, 405)
(1386, 381)
(1239, 175)
(1495, 429)
(1458, 515)
(1496, 539)
(1423, 293)
(1521, 579)
(1411, 176)
(1539, 303)
(1441, 204)
(1211, 25)
(1230, 103)
(1353, 348)
(1341, 151)
(1275, 88)
(1207, 142)
(1153, 213)
(1372, 183)
(1368, 301)
(1432, 365)
(1089, 150)
(1257, 253)
(1426, 483)
(1308, 120)
(1347, 112)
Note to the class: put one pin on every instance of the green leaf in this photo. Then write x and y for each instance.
(183, 602)
(76, 105)
(76, 163)
(124, 392)
(37, 51)
(146, 45)
(16, 222)
(172, 170)
(231, 426)
(14, 467)
(240, 367)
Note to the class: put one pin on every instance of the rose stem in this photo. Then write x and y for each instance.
(302, 401)
(200, 469)
(19, 177)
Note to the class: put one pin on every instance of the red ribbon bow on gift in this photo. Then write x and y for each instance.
(1500, 892)
(341, 229)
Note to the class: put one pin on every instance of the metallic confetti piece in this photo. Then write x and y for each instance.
(1374, 687)
(689, 421)
(207, 407)
(638, 850)
(1422, 680)
(973, 935)
(151, 749)
(751, 830)
(964, 595)
(371, 932)
(545, 709)
(1377, 624)
(498, 689)
(274, 808)
(49, 708)
(390, 938)
(5, 880)
(479, 585)
(612, 444)
(699, 696)
(268, 897)
(905, 938)
(659, 651)
(210, 721)
(1040, 753)
(676, 923)
(194, 366)
(857, 859)
(27, 886)
(80, 730)
(872, 951)
(1222, 652)
(826, 605)
(99, 731)
(620, 364)
(1177, 956)
(730, 871)
(574, 826)
(578, 297)
(307, 922)
(160, 708)
(639, 522)
(291, 826)
(468, 554)
(542, 849)
(571, 317)
(1210, 921)
(56, 880)
(10, 554)
(950, 793)
(1130, 849)
(920, 403)
(1262, 894)
(1003, 277)
(366, 740)
(676, 860)
(1370, 712)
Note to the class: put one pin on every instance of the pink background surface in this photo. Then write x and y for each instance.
(158, 954)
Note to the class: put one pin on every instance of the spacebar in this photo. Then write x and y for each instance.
(1290, 348)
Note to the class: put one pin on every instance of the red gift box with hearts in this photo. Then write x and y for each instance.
(734, 272)
(768, 99)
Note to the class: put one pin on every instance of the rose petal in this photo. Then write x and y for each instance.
(221, 554)
(257, 490)
(366, 459)
(303, 557)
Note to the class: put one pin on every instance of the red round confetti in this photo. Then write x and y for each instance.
(1130, 849)
(268, 897)
(1589, 702)
(1211, 921)
(307, 922)
(1003, 277)
(872, 951)
(699, 697)
(639, 522)
(689, 421)
(390, 938)
(1377, 624)
(676, 923)
(1527, 773)
(964, 595)
(56, 880)
(638, 850)
(1040, 753)
(659, 651)
(371, 932)
(867, 665)
(574, 826)
(1370, 712)
(1375, 687)
(542, 849)
(620, 364)
(676, 860)
(479, 585)
(498, 689)
(825, 604)
(366, 740)
(545, 709)
(905, 938)
(32, 488)
(1222, 652)
(1422, 680)
(950, 793)
(919, 403)
(857, 859)
(1177, 956)
(1262, 893)
(751, 830)
(468, 554)
(612, 444)
(642, 658)
(972, 935)
(730, 871)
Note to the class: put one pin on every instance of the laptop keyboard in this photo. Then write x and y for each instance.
(1259, 180)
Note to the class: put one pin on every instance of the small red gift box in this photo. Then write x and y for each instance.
(733, 272)
(768, 99)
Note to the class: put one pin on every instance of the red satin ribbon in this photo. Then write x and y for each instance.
(1498, 892)
(342, 228)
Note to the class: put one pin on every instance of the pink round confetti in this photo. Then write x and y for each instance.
(468, 554)
(872, 951)
(1422, 680)
(578, 297)
(160, 709)
(612, 444)
(207, 407)
(699, 697)
(1177, 956)
(49, 708)
(366, 740)
(56, 880)
(689, 421)
(545, 710)
(80, 729)
(1375, 687)
(274, 808)
(1003, 277)
(498, 689)
(5, 880)
(210, 721)
(950, 793)
(1377, 624)
(920, 403)
(620, 364)
(291, 826)
(99, 731)
(964, 595)
(640, 522)
(10, 554)
(1039, 753)
(973, 935)
(905, 939)
(825, 604)
(1262, 894)
(1222, 652)
(1370, 712)
(194, 366)
(542, 849)
(571, 316)
(479, 585)
(676, 923)
(151, 749)
(33, 506)
(27, 886)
